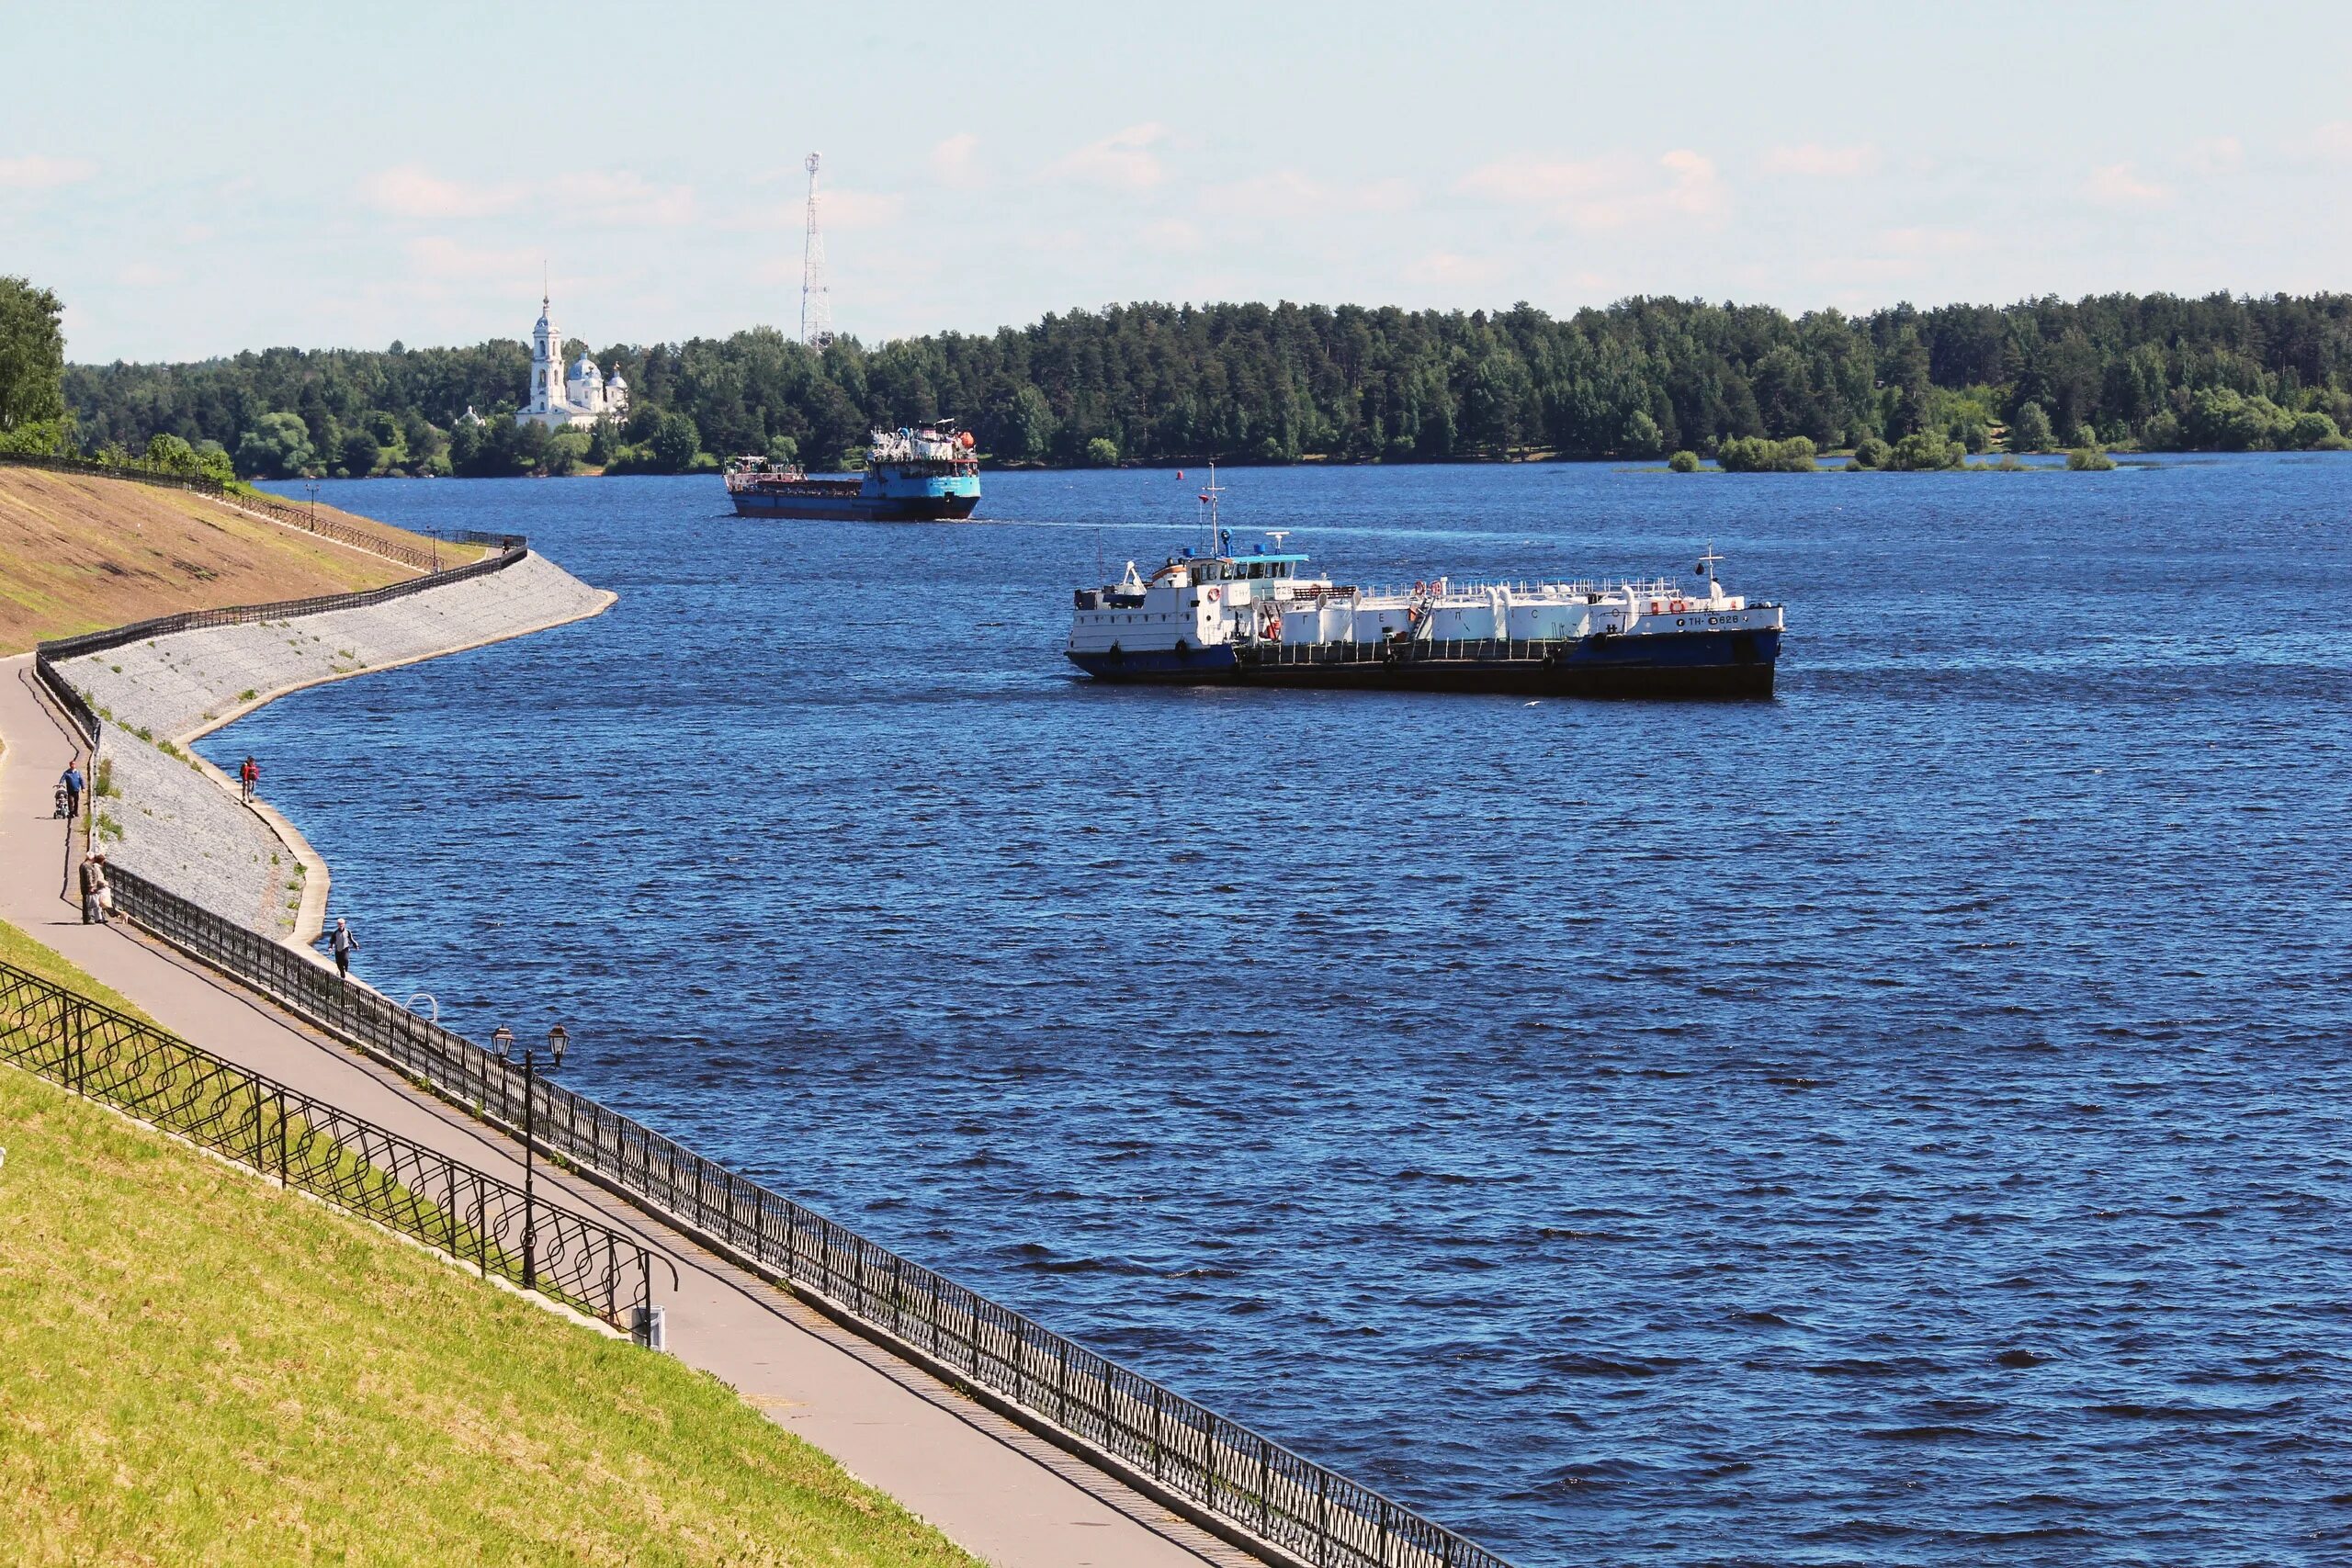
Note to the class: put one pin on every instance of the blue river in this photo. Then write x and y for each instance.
(1903, 1121)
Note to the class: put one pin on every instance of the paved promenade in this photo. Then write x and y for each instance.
(1003, 1494)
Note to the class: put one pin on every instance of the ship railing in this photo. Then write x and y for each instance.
(1653, 588)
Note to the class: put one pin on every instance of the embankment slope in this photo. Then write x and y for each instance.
(78, 553)
(195, 1367)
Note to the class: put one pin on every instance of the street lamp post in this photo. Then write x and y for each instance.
(530, 1225)
(558, 1042)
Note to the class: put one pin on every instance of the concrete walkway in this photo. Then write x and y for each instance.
(1003, 1494)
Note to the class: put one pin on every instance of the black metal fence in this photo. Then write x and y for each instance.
(293, 516)
(357, 1166)
(1245, 1482)
(1227, 1469)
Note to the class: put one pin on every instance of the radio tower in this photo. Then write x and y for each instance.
(815, 305)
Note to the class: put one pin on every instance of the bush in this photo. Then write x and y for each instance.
(1754, 455)
(1923, 451)
(1684, 462)
(1870, 452)
(1102, 452)
(2091, 458)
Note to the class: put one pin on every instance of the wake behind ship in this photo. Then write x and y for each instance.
(923, 473)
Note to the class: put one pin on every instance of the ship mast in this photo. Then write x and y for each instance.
(815, 300)
(1707, 566)
(1209, 493)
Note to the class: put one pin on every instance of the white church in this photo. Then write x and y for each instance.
(579, 396)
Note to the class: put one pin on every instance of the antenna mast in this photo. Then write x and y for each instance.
(816, 303)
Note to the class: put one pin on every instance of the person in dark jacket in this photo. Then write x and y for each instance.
(70, 781)
(343, 944)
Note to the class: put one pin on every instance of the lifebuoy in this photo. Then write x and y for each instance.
(1678, 607)
(1213, 595)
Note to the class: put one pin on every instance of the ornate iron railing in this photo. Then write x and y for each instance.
(1235, 1479)
(353, 1163)
(1231, 1474)
(304, 518)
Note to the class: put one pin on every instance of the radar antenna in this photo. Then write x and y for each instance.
(816, 299)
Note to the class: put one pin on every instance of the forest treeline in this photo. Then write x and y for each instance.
(1282, 383)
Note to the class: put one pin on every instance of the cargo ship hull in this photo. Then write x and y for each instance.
(1729, 666)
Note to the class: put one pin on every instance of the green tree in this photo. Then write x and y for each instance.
(1684, 462)
(32, 357)
(277, 447)
(1102, 452)
(360, 454)
(1870, 452)
(2029, 429)
(676, 441)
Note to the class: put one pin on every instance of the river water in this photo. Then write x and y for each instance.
(1900, 1123)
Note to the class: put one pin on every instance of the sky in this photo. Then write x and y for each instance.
(194, 180)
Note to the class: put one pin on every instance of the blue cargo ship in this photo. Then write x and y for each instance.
(925, 473)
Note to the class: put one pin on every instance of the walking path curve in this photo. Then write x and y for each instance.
(1004, 1495)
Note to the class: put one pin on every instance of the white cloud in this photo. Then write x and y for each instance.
(409, 191)
(1123, 161)
(436, 255)
(1614, 191)
(844, 208)
(1813, 161)
(1918, 241)
(34, 172)
(2121, 185)
(1172, 234)
(2216, 154)
(2332, 141)
(620, 199)
(610, 198)
(955, 159)
(145, 274)
(1286, 193)
(1448, 268)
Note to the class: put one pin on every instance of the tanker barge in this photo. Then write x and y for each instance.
(1263, 619)
(920, 474)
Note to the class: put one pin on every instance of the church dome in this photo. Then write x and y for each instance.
(614, 382)
(586, 368)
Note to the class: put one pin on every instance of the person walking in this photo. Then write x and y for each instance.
(345, 944)
(71, 782)
(95, 890)
(249, 778)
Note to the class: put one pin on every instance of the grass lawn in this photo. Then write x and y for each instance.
(196, 1368)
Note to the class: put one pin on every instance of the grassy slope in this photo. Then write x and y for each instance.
(196, 1367)
(79, 553)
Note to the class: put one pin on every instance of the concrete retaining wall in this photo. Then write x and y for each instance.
(180, 822)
